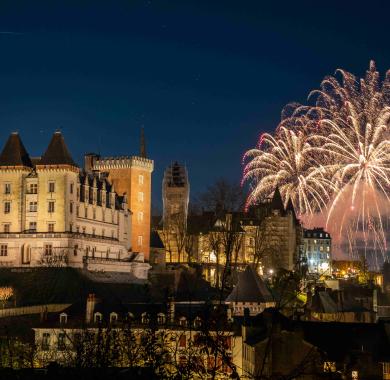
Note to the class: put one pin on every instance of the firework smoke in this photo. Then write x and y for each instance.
(332, 159)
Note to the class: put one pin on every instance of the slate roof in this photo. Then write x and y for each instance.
(14, 152)
(57, 152)
(250, 288)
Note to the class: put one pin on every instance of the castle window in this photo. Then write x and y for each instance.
(71, 207)
(32, 226)
(78, 210)
(3, 250)
(7, 207)
(63, 318)
(140, 216)
(140, 196)
(103, 232)
(51, 187)
(33, 206)
(48, 249)
(75, 249)
(7, 188)
(50, 206)
(84, 230)
(140, 179)
(50, 227)
(140, 240)
(6, 228)
(86, 212)
(94, 214)
(45, 341)
(70, 227)
(93, 231)
(71, 188)
(61, 342)
(33, 188)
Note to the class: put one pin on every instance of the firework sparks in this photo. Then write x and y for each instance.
(332, 158)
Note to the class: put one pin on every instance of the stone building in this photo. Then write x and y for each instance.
(317, 250)
(175, 194)
(267, 235)
(55, 214)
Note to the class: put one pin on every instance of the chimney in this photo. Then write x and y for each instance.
(89, 161)
(91, 303)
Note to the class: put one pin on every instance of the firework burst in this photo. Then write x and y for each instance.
(332, 158)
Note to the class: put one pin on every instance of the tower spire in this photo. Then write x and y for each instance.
(142, 144)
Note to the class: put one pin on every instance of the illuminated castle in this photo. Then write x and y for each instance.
(55, 214)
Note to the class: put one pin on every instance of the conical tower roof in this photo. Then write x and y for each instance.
(250, 288)
(277, 203)
(14, 153)
(57, 152)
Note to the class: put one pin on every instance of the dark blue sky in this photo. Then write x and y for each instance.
(204, 78)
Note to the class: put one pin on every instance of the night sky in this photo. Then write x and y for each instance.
(203, 78)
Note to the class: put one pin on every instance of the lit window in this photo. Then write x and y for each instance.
(144, 318)
(50, 227)
(3, 250)
(139, 240)
(140, 216)
(6, 228)
(7, 188)
(98, 317)
(140, 196)
(33, 207)
(7, 207)
(113, 317)
(32, 226)
(51, 187)
(183, 321)
(50, 206)
(141, 179)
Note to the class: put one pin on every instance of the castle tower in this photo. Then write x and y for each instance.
(176, 193)
(133, 175)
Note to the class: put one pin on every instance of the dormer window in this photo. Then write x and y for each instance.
(183, 321)
(98, 317)
(130, 316)
(197, 322)
(160, 318)
(113, 317)
(63, 318)
(145, 318)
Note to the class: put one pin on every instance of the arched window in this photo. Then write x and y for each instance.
(113, 317)
(130, 316)
(63, 318)
(98, 317)
(160, 318)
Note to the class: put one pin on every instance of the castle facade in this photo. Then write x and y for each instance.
(55, 214)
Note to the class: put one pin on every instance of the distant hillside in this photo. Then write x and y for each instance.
(37, 286)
